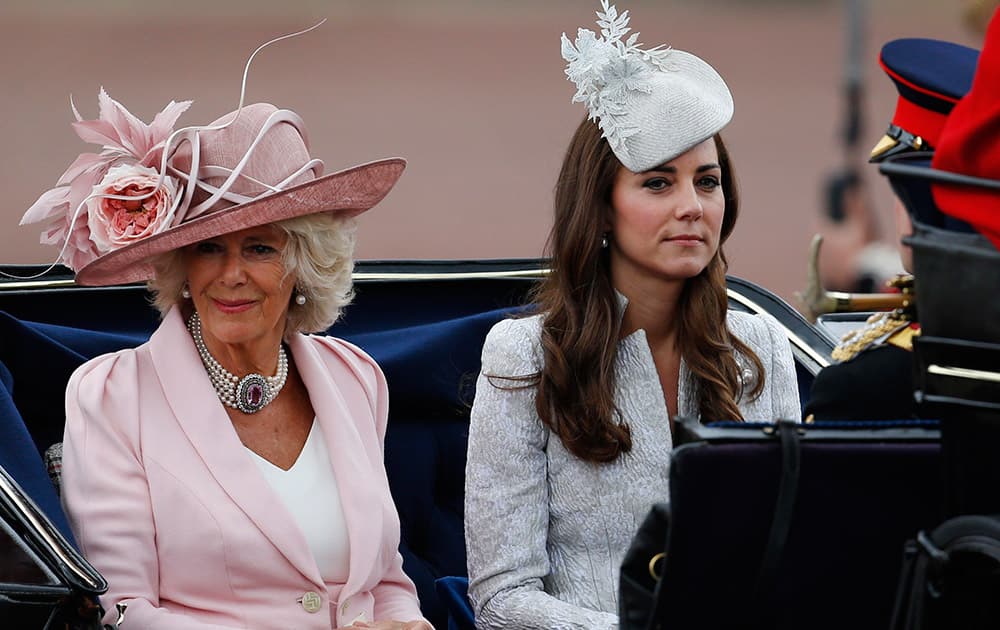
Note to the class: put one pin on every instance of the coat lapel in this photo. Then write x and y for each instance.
(343, 418)
(203, 419)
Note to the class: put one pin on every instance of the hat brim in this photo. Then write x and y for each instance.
(348, 192)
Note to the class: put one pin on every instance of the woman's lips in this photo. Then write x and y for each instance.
(233, 306)
(686, 240)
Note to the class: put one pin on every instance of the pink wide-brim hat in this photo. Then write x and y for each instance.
(267, 149)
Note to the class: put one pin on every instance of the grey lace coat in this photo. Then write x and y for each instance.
(545, 531)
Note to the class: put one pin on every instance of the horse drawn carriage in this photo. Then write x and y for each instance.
(806, 525)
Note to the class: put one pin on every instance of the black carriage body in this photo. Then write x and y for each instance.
(804, 530)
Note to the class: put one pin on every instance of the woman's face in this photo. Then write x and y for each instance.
(238, 285)
(667, 221)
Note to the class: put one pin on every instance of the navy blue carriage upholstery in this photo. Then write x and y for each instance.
(426, 334)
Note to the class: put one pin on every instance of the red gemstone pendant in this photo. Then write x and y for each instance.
(251, 393)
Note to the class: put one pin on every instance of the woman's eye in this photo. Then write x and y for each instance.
(709, 182)
(656, 183)
(207, 247)
(261, 250)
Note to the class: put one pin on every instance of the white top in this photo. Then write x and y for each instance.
(310, 493)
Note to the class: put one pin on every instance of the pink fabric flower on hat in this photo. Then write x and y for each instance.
(126, 141)
(114, 223)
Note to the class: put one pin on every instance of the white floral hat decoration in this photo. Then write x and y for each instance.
(651, 105)
(152, 189)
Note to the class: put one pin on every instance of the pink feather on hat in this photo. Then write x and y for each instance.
(125, 140)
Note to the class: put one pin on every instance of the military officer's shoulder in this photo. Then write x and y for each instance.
(891, 328)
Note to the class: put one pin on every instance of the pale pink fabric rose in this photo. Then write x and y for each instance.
(115, 223)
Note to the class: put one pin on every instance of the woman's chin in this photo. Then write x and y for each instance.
(682, 270)
(228, 329)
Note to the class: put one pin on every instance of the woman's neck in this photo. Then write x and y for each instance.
(260, 357)
(254, 356)
(653, 306)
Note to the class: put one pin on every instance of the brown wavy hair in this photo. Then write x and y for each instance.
(581, 327)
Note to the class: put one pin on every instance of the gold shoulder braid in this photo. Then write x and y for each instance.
(891, 326)
(904, 338)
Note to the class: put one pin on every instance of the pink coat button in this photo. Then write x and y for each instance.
(311, 601)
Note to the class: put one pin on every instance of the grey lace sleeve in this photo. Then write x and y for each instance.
(506, 494)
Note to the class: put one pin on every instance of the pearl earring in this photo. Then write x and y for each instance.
(300, 299)
(604, 241)
(186, 292)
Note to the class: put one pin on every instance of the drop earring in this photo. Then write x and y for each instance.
(300, 299)
(604, 241)
(186, 292)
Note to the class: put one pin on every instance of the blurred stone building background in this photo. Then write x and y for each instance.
(471, 92)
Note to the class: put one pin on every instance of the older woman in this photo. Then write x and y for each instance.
(228, 473)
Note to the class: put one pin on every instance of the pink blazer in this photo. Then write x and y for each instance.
(168, 505)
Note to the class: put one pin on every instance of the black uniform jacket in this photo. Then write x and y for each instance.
(877, 384)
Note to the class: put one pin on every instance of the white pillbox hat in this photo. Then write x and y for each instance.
(651, 105)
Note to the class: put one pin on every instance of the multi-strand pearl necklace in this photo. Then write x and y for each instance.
(249, 394)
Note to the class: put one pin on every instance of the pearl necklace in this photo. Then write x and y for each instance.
(249, 394)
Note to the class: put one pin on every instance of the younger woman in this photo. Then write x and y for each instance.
(570, 440)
